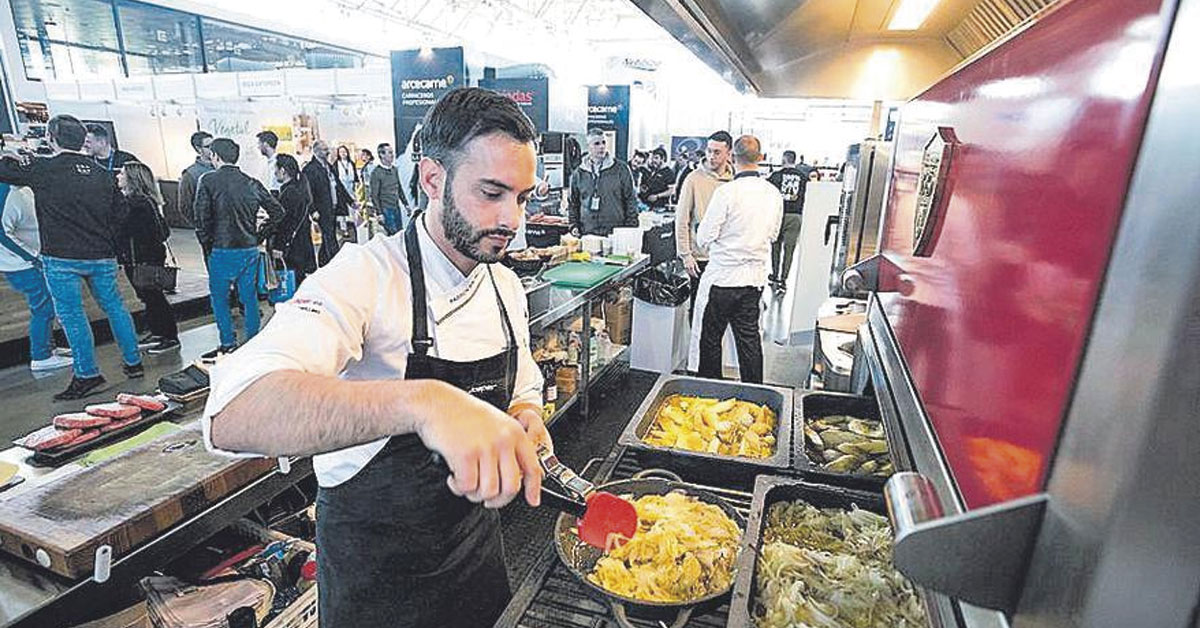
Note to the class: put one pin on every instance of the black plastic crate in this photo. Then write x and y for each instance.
(704, 467)
(815, 405)
(769, 490)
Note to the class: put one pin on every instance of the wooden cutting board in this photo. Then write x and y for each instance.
(121, 502)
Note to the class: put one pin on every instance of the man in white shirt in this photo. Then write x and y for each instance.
(399, 348)
(19, 247)
(742, 221)
(268, 144)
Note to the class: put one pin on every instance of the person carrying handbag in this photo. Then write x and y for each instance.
(145, 255)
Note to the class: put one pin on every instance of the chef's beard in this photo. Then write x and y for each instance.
(464, 236)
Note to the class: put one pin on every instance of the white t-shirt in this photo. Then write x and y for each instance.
(742, 221)
(353, 319)
(268, 175)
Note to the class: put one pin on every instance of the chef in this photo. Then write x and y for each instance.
(399, 348)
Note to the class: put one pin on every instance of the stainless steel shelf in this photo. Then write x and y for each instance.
(621, 357)
(565, 301)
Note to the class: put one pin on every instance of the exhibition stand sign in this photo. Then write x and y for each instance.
(531, 94)
(608, 110)
(419, 79)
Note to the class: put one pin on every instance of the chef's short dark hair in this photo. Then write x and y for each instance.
(66, 131)
(660, 151)
(226, 149)
(269, 138)
(466, 113)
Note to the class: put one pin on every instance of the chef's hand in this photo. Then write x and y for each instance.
(535, 428)
(488, 453)
(689, 264)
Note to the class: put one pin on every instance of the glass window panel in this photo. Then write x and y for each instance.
(162, 41)
(233, 48)
(320, 57)
(44, 27)
(86, 22)
(73, 62)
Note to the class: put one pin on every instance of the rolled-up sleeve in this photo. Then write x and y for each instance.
(318, 331)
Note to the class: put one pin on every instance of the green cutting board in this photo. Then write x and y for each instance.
(579, 274)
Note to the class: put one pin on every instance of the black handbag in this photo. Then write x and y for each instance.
(155, 276)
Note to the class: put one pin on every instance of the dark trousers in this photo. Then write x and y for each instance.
(785, 247)
(159, 317)
(736, 307)
(695, 285)
(329, 240)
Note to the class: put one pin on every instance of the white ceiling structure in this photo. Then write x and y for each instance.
(574, 37)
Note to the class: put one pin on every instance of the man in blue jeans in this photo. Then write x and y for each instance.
(79, 213)
(19, 246)
(226, 211)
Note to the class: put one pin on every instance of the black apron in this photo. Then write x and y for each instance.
(395, 547)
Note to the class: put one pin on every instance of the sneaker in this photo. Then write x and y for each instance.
(134, 371)
(164, 345)
(212, 356)
(50, 363)
(64, 352)
(147, 341)
(80, 387)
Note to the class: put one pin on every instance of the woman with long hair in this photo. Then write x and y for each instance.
(346, 170)
(294, 236)
(145, 234)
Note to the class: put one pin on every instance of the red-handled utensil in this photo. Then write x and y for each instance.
(605, 520)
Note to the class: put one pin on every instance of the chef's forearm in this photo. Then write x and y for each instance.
(290, 413)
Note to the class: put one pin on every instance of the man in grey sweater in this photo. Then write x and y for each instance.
(602, 193)
(387, 195)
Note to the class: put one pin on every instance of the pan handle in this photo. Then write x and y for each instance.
(575, 485)
(618, 609)
(659, 474)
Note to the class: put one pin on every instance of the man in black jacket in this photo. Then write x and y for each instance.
(227, 204)
(602, 193)
(658, 182)
(79, 212)
(329, 199)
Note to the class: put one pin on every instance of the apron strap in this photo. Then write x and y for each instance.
(421, 341)
(510, 338)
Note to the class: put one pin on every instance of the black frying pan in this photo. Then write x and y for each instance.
(580, 557)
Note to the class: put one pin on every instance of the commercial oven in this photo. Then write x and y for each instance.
(1033, 331)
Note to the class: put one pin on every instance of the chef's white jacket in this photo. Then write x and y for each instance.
(353, 319)
(742, 221)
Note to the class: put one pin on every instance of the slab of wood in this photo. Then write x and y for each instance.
(121, 502)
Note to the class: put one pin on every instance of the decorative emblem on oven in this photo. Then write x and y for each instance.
(931, 188)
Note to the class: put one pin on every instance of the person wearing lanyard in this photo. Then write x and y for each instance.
(602, 193)
(98, 144)
(401, 347)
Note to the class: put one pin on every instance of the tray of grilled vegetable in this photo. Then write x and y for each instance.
(713, 431)
(840, 439)
(820, 556)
